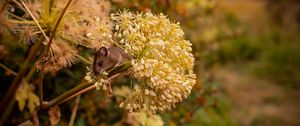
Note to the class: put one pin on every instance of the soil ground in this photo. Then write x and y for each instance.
(259, 102)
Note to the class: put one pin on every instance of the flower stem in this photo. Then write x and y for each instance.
(55, 28)
(83, 59)
(30, 73)
(82, 88)
(59, 99)
(8, 100)
(20, 22)
(45, 52)
(8, 69)
(74, 110)
(89, 88)
(40, 85)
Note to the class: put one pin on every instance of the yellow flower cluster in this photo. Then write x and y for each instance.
(145, 119)
(162, 60)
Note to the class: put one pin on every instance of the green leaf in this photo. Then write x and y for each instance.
(22, 95)
(33, 101)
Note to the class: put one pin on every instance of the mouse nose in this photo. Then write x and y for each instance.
(96, 73)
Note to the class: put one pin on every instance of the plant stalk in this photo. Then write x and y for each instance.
(8, 69)
(45, 52)
(8, 100)
(59, 99)
(74, 110)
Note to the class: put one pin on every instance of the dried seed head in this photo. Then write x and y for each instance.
(60, 55)
(29, 35)
(34, 6)
(77, 23)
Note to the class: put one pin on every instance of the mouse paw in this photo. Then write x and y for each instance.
(110, 93)
(117, 65)
(108, 84)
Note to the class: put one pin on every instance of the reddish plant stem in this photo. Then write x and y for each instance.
(35, 119)
(60, 98)
(82, 88)
(41, 75)
(74, 110)
(40, 85)
(89, 88)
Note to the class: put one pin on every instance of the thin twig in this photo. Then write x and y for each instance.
(82, 88)
(41, 75)
(58, 99)
(78, 90)
(74, 111)
(17, 17)
(91, 87)
(19, 4)
(35, 119)
(117, 44)
(20, 22)
(34, 19)
(83, 59)
(8, 69)
(30, 74)
(63, 96)
(40, 86)
(55, 28)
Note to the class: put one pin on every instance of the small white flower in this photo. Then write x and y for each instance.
(121, 105)
(88, 34)
(161, 57)
(146, 92)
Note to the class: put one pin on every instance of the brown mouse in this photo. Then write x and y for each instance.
(106, 58)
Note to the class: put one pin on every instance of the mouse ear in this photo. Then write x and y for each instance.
(103, 51)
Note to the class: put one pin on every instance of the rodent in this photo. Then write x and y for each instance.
(106, 58)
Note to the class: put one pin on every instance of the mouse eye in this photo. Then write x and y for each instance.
(100, 63)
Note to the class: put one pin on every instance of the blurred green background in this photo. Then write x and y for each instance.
(247, 64)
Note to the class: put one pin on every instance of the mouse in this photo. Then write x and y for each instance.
(106, 58)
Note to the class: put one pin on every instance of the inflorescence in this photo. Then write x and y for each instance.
(162, 60)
